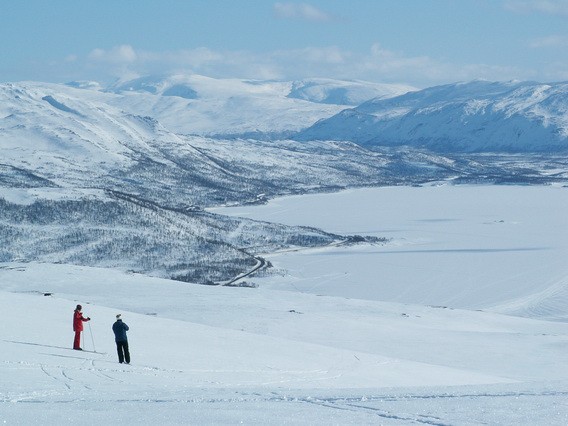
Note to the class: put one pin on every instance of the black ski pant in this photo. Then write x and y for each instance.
(123, 354)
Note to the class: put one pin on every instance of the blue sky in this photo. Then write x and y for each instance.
(418, 42)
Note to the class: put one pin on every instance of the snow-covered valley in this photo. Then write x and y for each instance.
(368, 284)
(325, 340)
(86, 180)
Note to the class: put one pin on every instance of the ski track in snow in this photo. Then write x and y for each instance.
(390, 408)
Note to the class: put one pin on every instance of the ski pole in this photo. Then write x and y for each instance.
(92, 339)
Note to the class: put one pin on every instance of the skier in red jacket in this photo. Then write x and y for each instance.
(78, 319)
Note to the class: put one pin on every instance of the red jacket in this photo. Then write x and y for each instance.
(78, 319)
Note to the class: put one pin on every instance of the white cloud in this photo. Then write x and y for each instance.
(383, 65)
(119, 54)
(552, 7)
(300, 11)
(378, 64)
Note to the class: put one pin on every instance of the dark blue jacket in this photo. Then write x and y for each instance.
(119, 329)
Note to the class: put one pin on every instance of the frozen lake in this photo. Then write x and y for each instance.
(502, 248)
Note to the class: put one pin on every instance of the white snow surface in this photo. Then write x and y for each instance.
(459, 319)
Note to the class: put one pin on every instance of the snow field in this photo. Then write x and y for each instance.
(214, 355)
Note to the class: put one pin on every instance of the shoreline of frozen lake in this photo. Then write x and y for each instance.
(498, 248)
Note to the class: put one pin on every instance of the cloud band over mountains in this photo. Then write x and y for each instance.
(377, 64)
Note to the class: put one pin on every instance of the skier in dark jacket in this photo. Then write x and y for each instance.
(121, 340)
(78, 320)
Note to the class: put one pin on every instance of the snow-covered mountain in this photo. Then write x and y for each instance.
(317, 90)
(199, 105)
(479, 116)
(84, 182)
(57, 136)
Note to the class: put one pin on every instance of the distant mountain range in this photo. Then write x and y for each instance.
(479, 116)
(199, 105)
(60, 136)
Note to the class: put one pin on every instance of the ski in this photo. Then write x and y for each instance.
(89, 352)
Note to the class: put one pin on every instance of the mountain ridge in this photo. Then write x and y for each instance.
(464, 117)
(233, 108)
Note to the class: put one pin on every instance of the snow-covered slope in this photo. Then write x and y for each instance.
(54, 129)
(194, 104)
(344, 92)
(464, 117)
(85, 183)
(54, 135)
(84, 180)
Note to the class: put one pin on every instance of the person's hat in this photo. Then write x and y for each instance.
(78, 308)
(118, 316)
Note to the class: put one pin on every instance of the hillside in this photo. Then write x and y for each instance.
(422, 301)
(86, 183)
(478, 116)
(58, 136)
